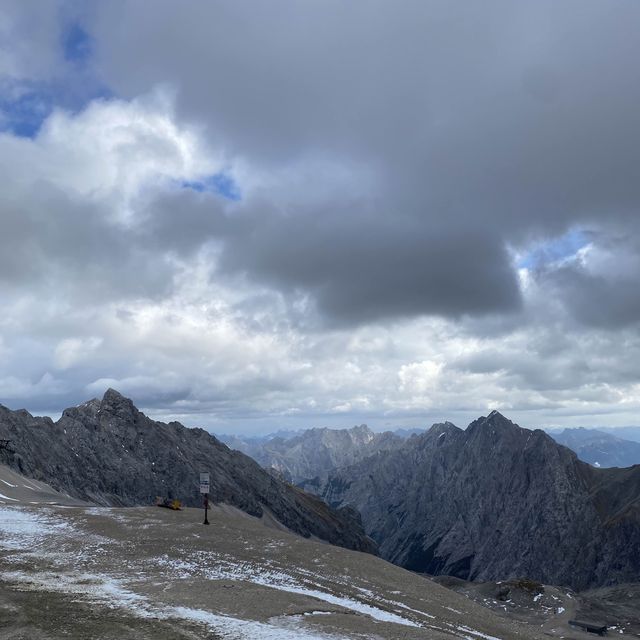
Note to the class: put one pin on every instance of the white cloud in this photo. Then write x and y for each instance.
(73, 351)
(212, 312)
(110, 153)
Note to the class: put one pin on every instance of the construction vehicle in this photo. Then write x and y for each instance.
(169, 503)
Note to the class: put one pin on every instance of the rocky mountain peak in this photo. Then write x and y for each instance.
(109, 453)
(495, 421)
(496, 501)
(114, 403)
(442, 427)
(362, 433)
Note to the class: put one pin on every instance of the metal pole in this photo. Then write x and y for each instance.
(206, 507)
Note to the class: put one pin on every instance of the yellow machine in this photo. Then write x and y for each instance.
(174, 504)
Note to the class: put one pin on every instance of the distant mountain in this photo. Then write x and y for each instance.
(407, 433)
(599, 448)
(107, 452)
(628, 433)
(309, 456)
(496, 502)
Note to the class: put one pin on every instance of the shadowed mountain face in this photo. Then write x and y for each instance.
(312, 454)
(107, 452)
(495, 502)
(599, 448)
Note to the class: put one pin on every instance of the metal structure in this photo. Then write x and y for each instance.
(204, 489)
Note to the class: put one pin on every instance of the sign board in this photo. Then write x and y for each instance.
(204, 483)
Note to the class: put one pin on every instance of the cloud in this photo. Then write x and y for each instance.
(476, 128)
(599, 285)
(322, 212)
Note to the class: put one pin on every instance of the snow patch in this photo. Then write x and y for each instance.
(111, 592)
(285, 582)
(22, 529)
(477, 634)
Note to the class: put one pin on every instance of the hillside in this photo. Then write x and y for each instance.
(494, 502)
(109, 453)
(145, 573)
(78, 572)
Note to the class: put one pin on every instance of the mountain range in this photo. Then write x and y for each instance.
(307, 457)
(107, 452)
(492, 502)
(496, 501)
(600, 448)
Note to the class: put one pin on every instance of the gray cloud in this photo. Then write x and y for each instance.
(361, 270)
(396, 164)
(482, 127)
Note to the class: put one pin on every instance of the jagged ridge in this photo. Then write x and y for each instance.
(108, 452)
(495, 502)
(311, 455)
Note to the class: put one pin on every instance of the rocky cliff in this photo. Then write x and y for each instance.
(496, 501)
(108, 452)
(307, 458)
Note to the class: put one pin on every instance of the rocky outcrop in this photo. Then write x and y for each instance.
(495, 502)
(107, 452)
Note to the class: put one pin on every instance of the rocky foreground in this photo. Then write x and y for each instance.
(85, 572)
(80, 572)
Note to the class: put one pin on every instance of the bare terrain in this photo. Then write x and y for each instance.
(83, 572)
(70, 570)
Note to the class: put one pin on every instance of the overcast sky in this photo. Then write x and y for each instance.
(254, 215)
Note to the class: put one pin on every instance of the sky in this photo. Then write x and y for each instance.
(250, 216)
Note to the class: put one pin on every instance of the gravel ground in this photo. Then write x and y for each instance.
(73, 571)
(87, 572)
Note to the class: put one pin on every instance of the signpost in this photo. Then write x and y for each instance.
(204, 489)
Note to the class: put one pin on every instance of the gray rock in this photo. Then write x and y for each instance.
(107, 452)
(496, 502)
(306, 458)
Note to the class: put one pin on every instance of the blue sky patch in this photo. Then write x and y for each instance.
(25, 105)
(221, 183)
(23, 115)
(23, 110)
(77, 44)
(555, 249)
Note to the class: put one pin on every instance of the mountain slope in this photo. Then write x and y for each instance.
(599, 448)
(107, 452)
(235, 580)
(496, 502)
(314, 453)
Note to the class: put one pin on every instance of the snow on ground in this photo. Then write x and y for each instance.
(21, 529)
(475, 634)
(111, 592)
(80, 572)
(230, 569)
(24, 530)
